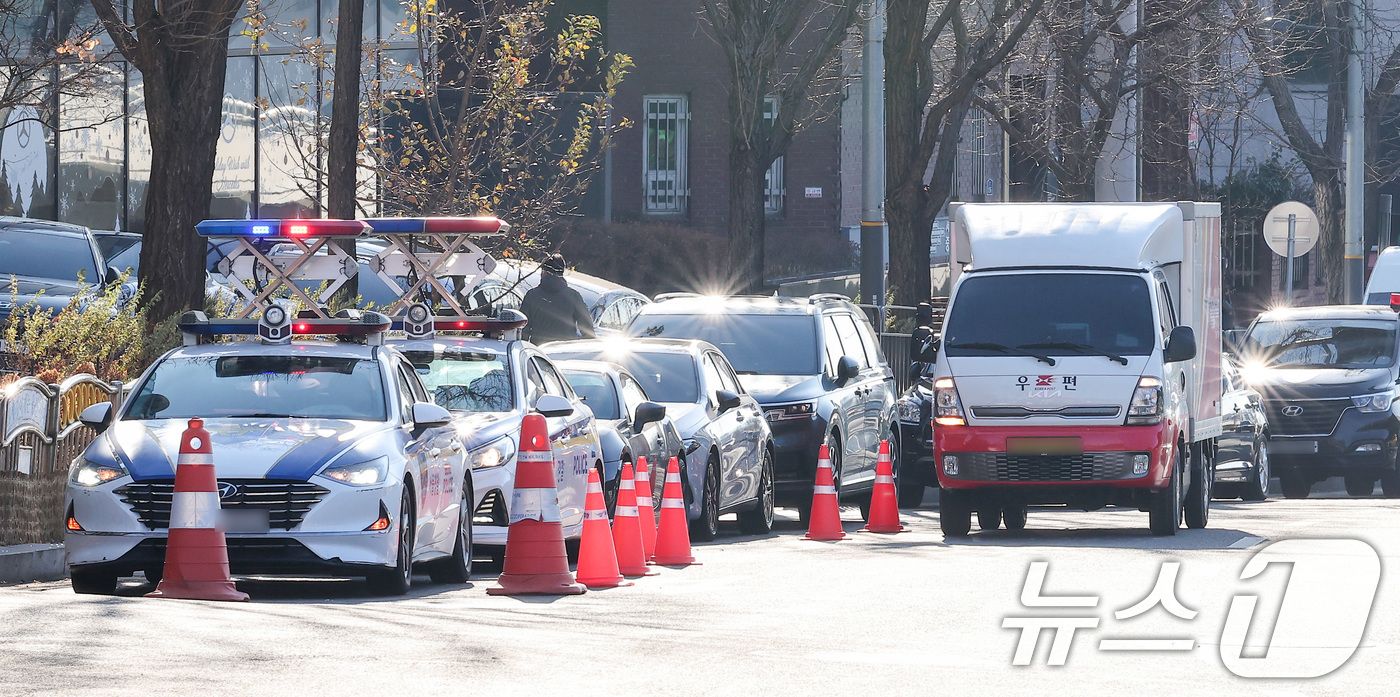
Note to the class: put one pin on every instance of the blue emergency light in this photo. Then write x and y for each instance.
(481, 225)
(282, 229)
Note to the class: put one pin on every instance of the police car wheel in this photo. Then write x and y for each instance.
(397, 579)
(154, 574)
(94, 581)
(458, 567)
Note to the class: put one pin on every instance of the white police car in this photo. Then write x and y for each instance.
(490, 381)
(331, 459)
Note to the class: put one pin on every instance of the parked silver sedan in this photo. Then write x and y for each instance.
(630, 425)
(729, 447)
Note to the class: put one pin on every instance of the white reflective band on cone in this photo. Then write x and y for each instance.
(196, 459)
(595, 515)
(595, 488)
(672, 503)
(644, 501)
(673, 477)
(824, 490)
(627, 485)
(884, 479)
(534, 504)
(824, 464)
(630, 511)
(194, 509)
(534, 456)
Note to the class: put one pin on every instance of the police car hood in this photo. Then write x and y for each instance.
(294, 449)
(479, 428)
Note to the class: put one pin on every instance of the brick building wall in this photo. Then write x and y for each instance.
(674, 52)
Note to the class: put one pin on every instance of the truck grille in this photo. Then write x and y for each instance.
(1091, 412)
(1312, 417)
(1001, 467)
(286, 502)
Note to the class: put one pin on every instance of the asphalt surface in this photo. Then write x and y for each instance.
(873, 614)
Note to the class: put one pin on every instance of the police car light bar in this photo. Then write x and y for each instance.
(271, 327)
(482, 225)
(282, 229)
(417, 323)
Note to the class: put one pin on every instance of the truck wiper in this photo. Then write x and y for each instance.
(1003, 348)
(1082, 348)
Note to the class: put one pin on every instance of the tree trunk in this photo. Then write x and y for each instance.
(909, 242)
(905, 196)
(184, 110)
(746, 217)
(344, 140)
(1327, 192)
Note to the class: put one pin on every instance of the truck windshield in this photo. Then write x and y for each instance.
(1051, 314)
(1323, 343)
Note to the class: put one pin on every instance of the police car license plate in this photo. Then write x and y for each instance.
(1293, 447)
(243, 520)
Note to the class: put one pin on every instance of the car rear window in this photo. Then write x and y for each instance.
(320, 387)
(754, 344)
(666, 377)
(46, 255)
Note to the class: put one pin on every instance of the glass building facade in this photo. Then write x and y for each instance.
(85, 158)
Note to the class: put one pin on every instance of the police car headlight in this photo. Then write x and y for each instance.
(86, 473)
(494, 454)
(360, 473)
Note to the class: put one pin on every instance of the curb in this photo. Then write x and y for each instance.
(36, 562)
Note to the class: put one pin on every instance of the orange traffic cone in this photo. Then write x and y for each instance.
(884, 501)
(536, 562)
(824, 523)
(196, 554)
(597, 563)
(627, 530)
(646, 512)
(673, 536)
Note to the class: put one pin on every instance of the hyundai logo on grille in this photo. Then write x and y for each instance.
(227, 491)
(1292, 410)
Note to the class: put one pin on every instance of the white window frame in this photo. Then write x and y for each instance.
(774, 186)
(670, 112)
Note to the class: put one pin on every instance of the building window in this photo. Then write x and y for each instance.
(664, 153)
(774, 189)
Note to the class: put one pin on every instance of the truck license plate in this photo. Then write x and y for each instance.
(1044, 446)
(1293, 447)
(243, 520)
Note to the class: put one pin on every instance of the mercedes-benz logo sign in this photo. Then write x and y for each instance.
(227, 491)
(1292, 410)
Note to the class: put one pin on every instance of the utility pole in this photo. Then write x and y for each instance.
(874, 238)
(1355, 251)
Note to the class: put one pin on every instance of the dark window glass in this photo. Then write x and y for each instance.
(754, 344)
(1323, 343)
(666, 377)
(1058, 314)
(44, 255)
(315, 387)
(463, 381)
(597, 392)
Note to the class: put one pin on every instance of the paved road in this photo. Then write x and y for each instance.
(905, 614)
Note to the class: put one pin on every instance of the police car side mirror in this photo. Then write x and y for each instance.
(97, 416)
(648, 413)
(553, 405)
(846, 369)
(427, 415)
(1181, 345)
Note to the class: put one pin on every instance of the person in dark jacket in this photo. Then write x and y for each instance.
(556, 311)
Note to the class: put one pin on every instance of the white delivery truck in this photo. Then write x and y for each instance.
(1079, 363)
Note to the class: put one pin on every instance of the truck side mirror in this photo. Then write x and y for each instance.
(1181, 345)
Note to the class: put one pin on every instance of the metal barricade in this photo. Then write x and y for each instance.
(39, 436)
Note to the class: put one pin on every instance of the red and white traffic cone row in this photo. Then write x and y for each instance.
(824, 524)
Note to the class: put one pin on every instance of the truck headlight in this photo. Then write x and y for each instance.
(1374, 402)
(360, 473)
(790, 411)
(494, 454)
(87, 473)
(947, 408)
(1146, 407)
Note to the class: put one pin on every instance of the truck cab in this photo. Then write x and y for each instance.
(1079, 363)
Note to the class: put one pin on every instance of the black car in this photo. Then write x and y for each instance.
(1242, 467)
(45, 263)
(1327, 377)
(814, 365)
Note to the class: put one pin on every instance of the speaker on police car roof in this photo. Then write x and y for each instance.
(275, 325)
(418, 321)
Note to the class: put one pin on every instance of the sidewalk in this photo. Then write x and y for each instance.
(25, 563)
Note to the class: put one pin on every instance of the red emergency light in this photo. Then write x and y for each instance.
(480, 225)
(320, 227)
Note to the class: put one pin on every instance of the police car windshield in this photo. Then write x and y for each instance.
(1322, 343)
(754, 344)
(1051, 314)
(666, 377)
(465, 381)
(312, 387)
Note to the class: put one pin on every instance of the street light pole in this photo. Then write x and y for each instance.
(1354, 251)
(873, 239)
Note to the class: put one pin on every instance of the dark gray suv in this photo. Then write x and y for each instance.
(815, 366)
